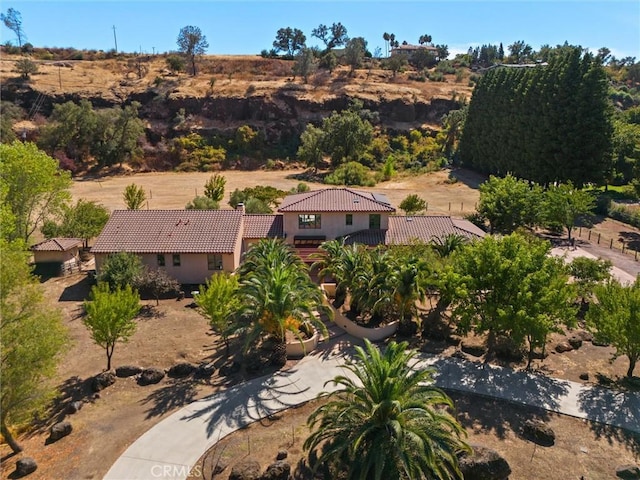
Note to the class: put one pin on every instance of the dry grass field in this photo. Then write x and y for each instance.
(174, 190)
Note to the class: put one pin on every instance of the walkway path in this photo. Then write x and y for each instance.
(172, 447)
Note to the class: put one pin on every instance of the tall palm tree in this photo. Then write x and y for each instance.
(277, 296)
(387, 422)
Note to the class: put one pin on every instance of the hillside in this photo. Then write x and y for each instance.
(230, 91)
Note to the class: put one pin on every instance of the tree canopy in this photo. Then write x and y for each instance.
(134, 197)
(192, 42)
(615, 318)
(511, 287)
(289, 40)
(110, 316)
(13, 21)
(387, 421)
(549, 123)
(85, 220)
(34, 187)
(33, 337)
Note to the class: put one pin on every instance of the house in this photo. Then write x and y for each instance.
(191, 245)
(310, 218)
(57, 256)
(409, 50)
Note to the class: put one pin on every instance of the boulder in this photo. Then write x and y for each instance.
(248, 469)
(282, 454)
(584, 376)
(181, 370)
(539, 432)
(472, 349)
(25, 466)
(150, 376)
(628, 472)
(128, 371)
(103, 380)
(563, 347)
(279, 470)
(583, 335)
(59, 430)
(575, 341)
(205, 370)
(73, 407)
(484, 464)
(599, 343)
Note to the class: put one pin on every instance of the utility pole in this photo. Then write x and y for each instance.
(114, 38)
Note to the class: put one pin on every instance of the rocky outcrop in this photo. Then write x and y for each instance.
(59, 430)
(484, 464)
(181, 370)
(25, 466)
(103, 380)
(125, 371)
(279, 470)
(539, 432)
(248, 469)
(628, 472)
(150, 376)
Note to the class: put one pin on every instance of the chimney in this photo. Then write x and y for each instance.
(240, 207)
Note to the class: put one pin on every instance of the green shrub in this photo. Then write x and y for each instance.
(351, 174)
(625, 215)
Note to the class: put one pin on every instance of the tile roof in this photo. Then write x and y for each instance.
(263, 226)
(405, 229)
(57, 244)
(170, 231)
(336, 200)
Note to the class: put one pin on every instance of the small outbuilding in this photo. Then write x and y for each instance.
(57, 256)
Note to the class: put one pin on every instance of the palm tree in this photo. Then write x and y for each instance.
(387, 421)
(277, 296)
(372, 289)
(409, 287)
(445, 246)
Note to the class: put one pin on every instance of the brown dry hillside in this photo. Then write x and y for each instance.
(230, 91)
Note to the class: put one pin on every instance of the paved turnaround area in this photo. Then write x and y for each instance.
(172, 447)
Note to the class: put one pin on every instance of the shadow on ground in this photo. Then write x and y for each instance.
(77, 292)
(605, 406)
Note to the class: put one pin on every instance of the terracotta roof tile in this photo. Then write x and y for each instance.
(57, 244)
(263, 226)
(170, 231)
(336, 200)
(405, 229)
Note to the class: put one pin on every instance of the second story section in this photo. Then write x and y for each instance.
(312, 217)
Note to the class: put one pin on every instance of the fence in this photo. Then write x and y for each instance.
(629, 247)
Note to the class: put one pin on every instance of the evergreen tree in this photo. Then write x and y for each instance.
(547, 124)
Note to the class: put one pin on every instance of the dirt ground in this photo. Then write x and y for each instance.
(170, 190)
(172, 332)
(582, 449)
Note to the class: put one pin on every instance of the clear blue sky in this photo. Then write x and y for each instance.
(247, 27)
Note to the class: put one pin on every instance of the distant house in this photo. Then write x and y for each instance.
(57, 256)
(409, 50)
(191, 245)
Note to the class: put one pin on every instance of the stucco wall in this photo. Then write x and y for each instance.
(333, 224)
(45, 257)
(193, 266)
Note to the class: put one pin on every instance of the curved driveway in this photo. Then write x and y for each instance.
(172, 447)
